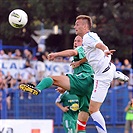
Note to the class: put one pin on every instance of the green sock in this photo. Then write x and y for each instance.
(45, 83)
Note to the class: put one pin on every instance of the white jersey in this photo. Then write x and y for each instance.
(104, 70)
(96, 57)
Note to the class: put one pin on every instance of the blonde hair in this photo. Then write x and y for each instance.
(85, 17)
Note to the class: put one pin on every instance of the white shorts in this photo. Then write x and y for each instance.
(102, 83)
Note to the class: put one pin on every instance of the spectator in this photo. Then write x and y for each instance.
(40, 57)
(28, 77)
(17, 54)
(9, 80)
(3, 55)
(19, 78)
(2, 74)
(118, 64)
(1, 83)
(11, 84)
(8, 97)
(126, 65)
(46, 53)
(130, 85)
(0, 99)
(129, 117)
(27, 54)
(59, 59)
(9, 54)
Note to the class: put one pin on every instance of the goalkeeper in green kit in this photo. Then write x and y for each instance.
(79, 83)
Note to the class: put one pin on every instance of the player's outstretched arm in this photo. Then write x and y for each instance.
(64, 53)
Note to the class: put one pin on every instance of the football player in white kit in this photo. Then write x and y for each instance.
(99, 57)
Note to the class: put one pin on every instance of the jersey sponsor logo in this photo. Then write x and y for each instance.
(73, 100)
(74, 107)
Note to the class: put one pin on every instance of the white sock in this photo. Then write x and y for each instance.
(99, 122)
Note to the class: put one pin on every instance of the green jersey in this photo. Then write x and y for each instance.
(81, 81)
(72, 101)
(129, 114)
(85, 67)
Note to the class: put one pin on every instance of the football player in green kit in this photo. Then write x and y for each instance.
(79, 83)
(69, 104)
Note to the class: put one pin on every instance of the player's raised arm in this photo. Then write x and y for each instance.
(105, 49)
(67, 53)
(64, 53)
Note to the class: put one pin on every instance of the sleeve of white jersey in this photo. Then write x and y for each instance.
(92, 40)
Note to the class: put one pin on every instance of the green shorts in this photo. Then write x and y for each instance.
(69, 126)
(84, 103)
(82, 85)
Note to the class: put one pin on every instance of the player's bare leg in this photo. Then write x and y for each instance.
(61, 81)
(82, 121)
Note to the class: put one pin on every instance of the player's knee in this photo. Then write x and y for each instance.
(81, 126)
(93, 110)
(90, 111)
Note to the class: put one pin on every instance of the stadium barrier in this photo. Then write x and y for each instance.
(43, 106)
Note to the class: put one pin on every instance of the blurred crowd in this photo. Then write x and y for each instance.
(9, 84)
(126, 68)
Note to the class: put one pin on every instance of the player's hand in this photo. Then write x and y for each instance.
(109, 52)
(75, 64)
(60, 90)
(51, 56)
(66, 108)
